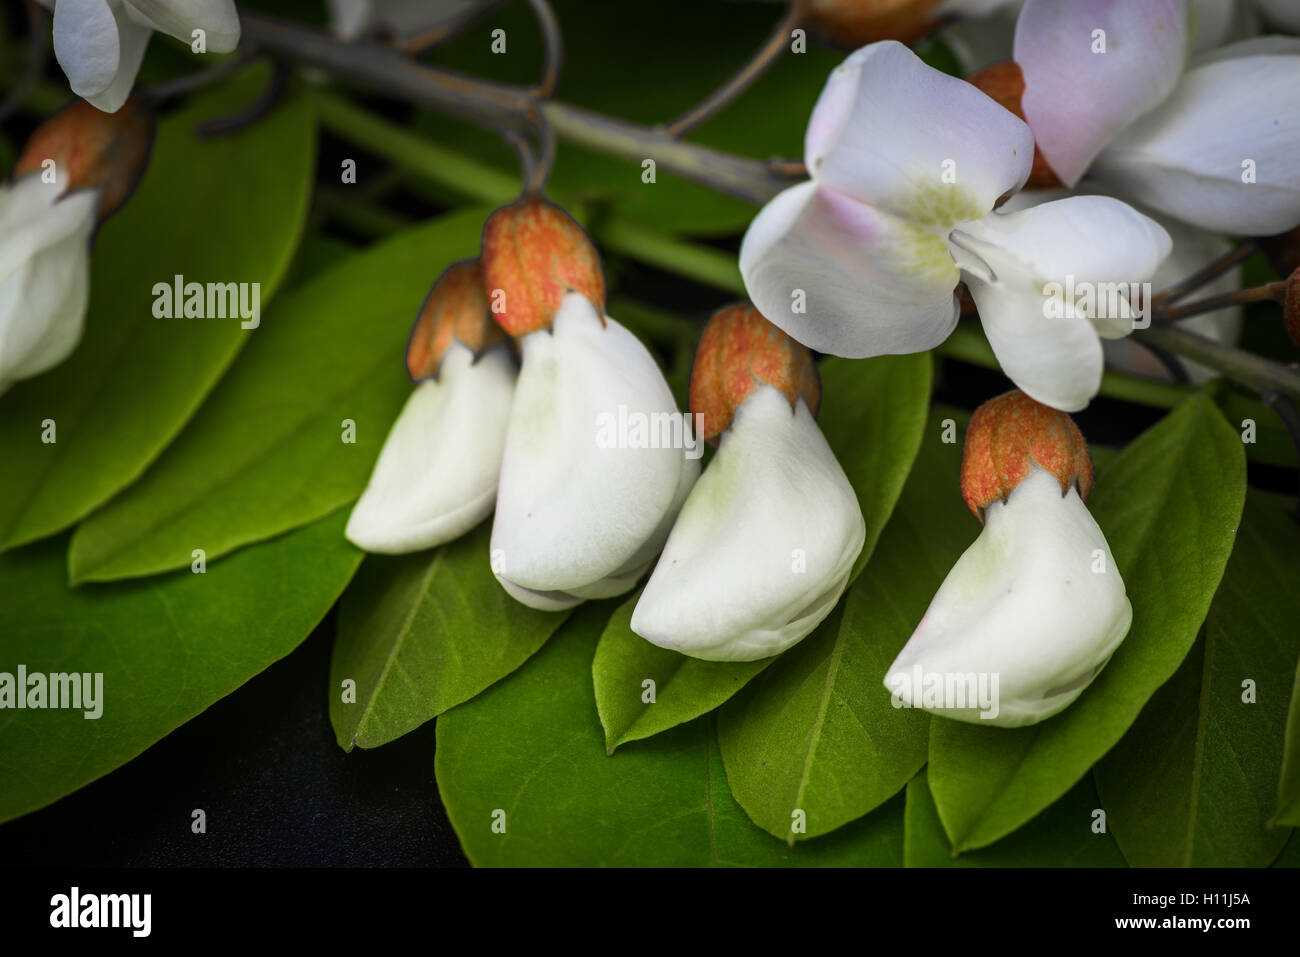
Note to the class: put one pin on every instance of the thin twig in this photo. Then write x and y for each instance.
(1260, 374)
(1171, 363)
(527, 156)
(160, 93)
(536, 183)
(38, 48)
(1269, 292)
(552, 46)
(441, 31)
(1233, 257)
(493, 106)
(744, 78)
(254, 111)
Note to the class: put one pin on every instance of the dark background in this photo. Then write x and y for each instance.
(276, 787)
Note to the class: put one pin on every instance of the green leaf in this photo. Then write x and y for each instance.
(1061, 836)
(226, 209)
(817, 732)
(532, 748)
(684, 688)
(265, 453)
(873, 413)
(1194, 781)
(421, 633)
(167, 648)
(1169, 507)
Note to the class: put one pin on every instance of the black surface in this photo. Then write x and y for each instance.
(277, 790)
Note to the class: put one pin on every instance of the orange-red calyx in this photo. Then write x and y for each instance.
(739, 350)
(1004, 83)
(1291, 305)
(850, 24)
(93, 150)
(1008, 437)
(456, 310)
(534, 253)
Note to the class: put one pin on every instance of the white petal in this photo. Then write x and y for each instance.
(891, 131)
(43, 294)
(1024, 603)
(625, 579)
(1092, 246)
(764, 545)
(1077, 100)
(86, 44)
(134, 41)
(1281, 13)
(436, 477)
(1056, 361)
(33, 216)
(179, 18)
(569, 511)
(1188, 158)
(867, 283)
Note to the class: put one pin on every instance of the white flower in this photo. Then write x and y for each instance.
(764, 545)
(100, 43)
(1033, 610)
(1025, 603)
(44, 274)
(1109, 92)
(907, 165)
(575, 520)
(436, 477)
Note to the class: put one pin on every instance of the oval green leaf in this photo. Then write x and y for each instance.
(272, 449)
(227, 209)
(528, 756)
(421, 633)
(1194, 781)
(1065, 835)
(167, 648)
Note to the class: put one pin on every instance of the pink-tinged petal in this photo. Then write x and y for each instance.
(1228, 123)
(890, 131)
(846, 278)
(1077, 98)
